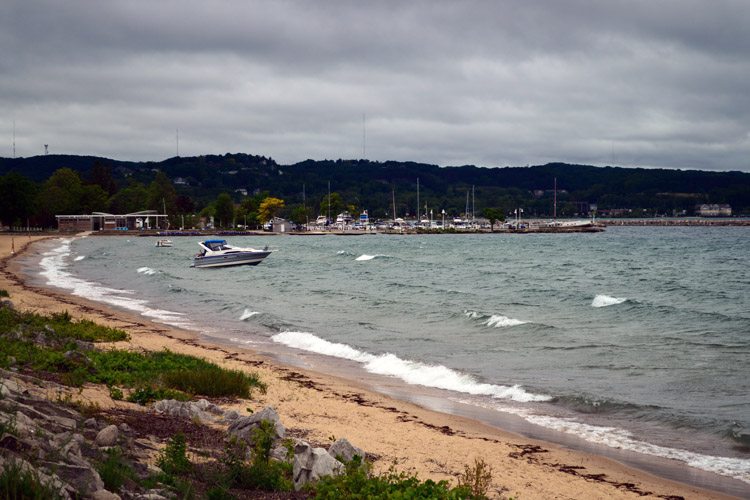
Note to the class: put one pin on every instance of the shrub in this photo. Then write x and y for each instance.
(19, 484)
(149, 393)
(173, 460)
(476, 479)
(4, 293)
(356, 482)
(214, 381)
(113, 470)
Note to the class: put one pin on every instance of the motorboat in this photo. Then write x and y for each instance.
(163, 243)
(217, 253)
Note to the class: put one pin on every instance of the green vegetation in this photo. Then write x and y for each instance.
(155, 375)
(114, 470)
(17, 483)
(56, 184)
(4, 293)
(59, 326)
(358, 482)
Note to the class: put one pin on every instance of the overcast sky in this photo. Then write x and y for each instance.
(653, 83)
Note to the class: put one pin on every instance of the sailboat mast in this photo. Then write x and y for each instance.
(418, 200)
(393, 194)
(555, 209)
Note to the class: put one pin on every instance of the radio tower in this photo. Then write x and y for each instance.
(46, 151)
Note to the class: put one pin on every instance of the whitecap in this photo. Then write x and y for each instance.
(365, 257)
(146, 270)
(80, 257)
(411, 372)
(247, 314)
(500, 321)
(606, 300)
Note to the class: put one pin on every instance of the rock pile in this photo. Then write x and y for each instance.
(55, 444)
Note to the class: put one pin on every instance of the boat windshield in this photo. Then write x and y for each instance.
(216, 245)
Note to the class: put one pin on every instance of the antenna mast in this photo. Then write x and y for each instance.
(177, 141)
(14, 138)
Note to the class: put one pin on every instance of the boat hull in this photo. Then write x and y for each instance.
(235, 259)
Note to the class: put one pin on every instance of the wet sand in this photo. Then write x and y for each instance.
(399, 429)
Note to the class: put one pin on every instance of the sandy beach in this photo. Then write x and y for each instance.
(433, 444)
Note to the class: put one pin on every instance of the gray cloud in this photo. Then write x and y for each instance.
(643, 83)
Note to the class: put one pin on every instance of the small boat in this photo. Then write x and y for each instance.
(217, 253)
(164, 243)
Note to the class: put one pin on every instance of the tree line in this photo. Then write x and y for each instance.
(241, 189)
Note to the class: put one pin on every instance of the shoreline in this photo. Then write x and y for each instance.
(435, 444)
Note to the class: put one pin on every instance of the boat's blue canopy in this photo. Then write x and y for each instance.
(214, 241)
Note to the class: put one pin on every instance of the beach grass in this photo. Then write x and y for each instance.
(46, 343)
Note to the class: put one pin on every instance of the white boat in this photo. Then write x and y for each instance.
(163, 243)
(217, 253)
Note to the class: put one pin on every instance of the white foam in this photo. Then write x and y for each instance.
(606, 300)
(365, 257)
(80, 257)
(146, 270)
(247, 314)
(54, 264)
(500, 321)
(496, 320)
(614, 437)
(411, 372)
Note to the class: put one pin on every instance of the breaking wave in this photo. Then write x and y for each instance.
(606, 300)
(411, 372)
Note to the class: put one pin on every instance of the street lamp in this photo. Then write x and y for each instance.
(443, 219)
(518, 213)
(430, 219)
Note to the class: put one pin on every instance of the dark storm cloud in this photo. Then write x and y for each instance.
(659, 84)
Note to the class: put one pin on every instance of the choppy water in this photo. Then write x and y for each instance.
(635, 338)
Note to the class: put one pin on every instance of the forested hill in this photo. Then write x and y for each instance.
(372, 185)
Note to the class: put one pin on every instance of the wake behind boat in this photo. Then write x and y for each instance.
(217, 253)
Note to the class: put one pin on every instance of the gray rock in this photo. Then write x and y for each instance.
(280, 454)
(107, 436)
(6, 303)
(105, 495)
(187, 410)
(243, 427)
(84, 479)
(231, 416)
(310, 464)
(91, 423)
(343, 448)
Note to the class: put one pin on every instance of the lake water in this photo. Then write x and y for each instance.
(635, 339)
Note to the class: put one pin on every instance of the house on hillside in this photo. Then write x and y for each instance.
(713, 210)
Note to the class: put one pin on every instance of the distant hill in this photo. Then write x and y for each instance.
(374, 185)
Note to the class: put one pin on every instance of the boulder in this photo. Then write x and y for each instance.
(107, 436)
(188, 410)
(344, 449)
(310, 464)
(82, 479)
(242, 428)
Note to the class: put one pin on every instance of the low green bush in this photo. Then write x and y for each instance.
(357, 482)
(114, 470)
(19, 484)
